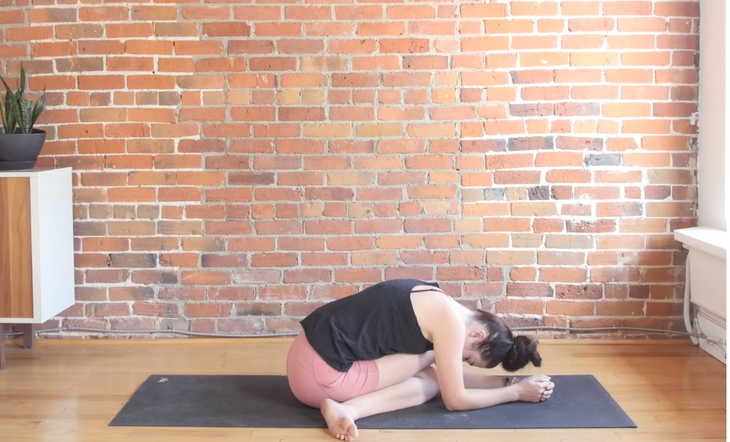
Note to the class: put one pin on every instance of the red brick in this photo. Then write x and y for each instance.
(594, 92)
(370, 12)
(533, 8)
(431, 28)
(545, 93)
(528, 290)
(579, 8)
(550, 25)
(620, 308)
(483, 10)
(520, 306)
(226, 29)
(623, 110)
(578, 291)
(582, 41)
(627, 8)
(518, 274)
(8, 17)
(543, 59)
(278, 29)
(570, 308)
(591, 24)
(51, 49)
(562, 274)
(677, 9)
(658, 58)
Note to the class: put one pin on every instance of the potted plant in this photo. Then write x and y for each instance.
(20, 143)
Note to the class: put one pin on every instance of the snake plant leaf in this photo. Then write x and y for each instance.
(11, 106)
(19, 114)
(8, 122)
(5, 121)
(6, 86)
(26, 113)
(40, 105)
(21, 85)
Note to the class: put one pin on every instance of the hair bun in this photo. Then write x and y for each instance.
(522, 353)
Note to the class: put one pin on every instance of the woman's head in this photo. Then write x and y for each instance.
(492, 343)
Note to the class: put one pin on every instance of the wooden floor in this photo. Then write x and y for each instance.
(68, 391)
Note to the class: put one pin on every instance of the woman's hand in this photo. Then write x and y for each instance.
(535, 389)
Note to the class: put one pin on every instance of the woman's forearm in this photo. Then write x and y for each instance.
(473, 399)
(474, 379)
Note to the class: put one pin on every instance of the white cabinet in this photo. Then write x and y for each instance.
(36, 245)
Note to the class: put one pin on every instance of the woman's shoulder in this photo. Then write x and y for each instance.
(432, 306)
(408, 282)
(432, 298)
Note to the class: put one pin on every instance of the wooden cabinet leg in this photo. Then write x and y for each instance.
(28, 335)
(2, 347)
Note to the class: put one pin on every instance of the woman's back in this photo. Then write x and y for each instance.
(368, 325)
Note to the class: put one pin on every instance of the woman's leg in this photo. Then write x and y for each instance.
(399, 367)
(418, 389)
(394, 394)
(394, 369)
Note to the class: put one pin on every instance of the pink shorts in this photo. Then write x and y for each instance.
(312, 380)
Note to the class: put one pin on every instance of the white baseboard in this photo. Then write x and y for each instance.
(715, 327)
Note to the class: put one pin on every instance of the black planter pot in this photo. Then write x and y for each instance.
(20, 151)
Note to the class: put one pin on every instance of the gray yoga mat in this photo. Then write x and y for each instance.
(267, 402)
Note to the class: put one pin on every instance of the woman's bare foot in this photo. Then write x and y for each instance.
(339, 420)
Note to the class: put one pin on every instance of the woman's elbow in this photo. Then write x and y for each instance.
(451, 406)
(454, 404)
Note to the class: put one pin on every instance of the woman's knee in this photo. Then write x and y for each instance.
(428, 374)
(430, 378)
(394, 369)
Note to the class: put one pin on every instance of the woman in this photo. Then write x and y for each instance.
(373, 352)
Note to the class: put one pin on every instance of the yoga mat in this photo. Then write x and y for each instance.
(267, 402)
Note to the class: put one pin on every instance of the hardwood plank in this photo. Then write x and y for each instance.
(16, 276)
(190, 434)
(75, 430)
(18, 425)
(3, 350)
(72, 389)
(569, 435)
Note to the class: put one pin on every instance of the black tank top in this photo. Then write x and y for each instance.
(370, 324)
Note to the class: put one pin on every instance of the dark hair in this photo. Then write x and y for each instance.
(501, 346)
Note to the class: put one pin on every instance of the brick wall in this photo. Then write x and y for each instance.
(238, 164)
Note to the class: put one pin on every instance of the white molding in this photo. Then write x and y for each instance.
(709, 240)
(714, 115)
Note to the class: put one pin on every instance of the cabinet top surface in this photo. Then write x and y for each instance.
(31, 172)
